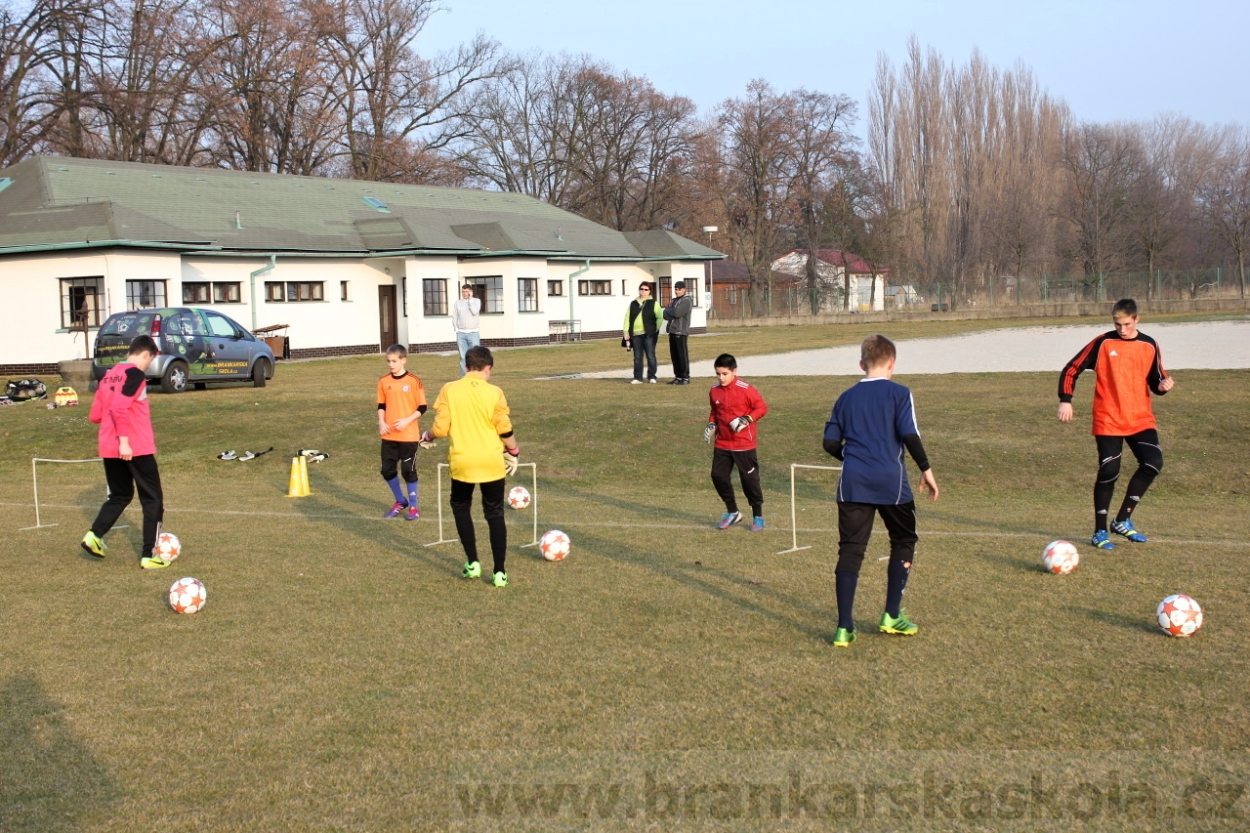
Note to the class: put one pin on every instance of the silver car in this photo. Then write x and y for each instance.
(197, 346)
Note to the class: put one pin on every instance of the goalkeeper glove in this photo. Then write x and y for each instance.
(708, 431)
(427, 440)
(741, 423)
(511, 459)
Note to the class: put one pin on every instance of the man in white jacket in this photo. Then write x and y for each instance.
(464, 320)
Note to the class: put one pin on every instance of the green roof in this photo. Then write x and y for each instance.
(57, 202)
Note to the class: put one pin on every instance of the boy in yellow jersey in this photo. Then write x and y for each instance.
(401, 402)
(474, 414)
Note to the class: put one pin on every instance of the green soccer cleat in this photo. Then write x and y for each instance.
(500, 580)
(900, 624)
(93, 544)
(472, 570)
(843, 638)
(154, 562)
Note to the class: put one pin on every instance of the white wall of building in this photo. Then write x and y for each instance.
(31, 284)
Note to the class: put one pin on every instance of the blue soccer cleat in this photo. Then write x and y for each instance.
(1102, 540)
(1126, 528)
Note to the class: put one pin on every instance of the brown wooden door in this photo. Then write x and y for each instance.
(388, 320)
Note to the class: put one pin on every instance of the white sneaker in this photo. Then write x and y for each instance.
(636, 382)
(652, 381)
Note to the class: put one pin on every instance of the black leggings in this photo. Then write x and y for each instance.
(123, 478)
(1145, 447)
(492, 508)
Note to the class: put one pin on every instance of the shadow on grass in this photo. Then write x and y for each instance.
(1014, 562)
(49, 780)
(647, 510)
(1106, 617)
(982, 523)
(394, 535)
(698, 579)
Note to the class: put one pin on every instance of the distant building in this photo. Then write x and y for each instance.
(350, 266)
(839, 272)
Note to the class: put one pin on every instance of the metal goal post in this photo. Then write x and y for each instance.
(794, 527)
(533, 467)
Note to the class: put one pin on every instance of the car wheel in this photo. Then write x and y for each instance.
(260, 372)
(174, 379)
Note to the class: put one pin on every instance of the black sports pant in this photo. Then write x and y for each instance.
(401, 457)
(723, 462)
(678, 350)
(855, 527)
(123, 477)
(492, 508)
(1145, 447)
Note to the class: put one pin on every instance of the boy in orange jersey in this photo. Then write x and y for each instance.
(401, 402)
(1128, 369)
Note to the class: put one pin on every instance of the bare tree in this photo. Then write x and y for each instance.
(27, 49)
(1225, 198)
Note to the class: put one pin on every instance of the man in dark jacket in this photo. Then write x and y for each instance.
(677, 313)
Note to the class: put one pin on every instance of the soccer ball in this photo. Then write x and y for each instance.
(554, 545)
(187, 595)
(519, 497)
(168, 547)
(1179, 615)
(1060, 558)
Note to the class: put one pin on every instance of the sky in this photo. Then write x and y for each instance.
(1109, 60)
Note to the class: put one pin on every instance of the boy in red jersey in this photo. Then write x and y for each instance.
(401, 402)
(128, 447)
(1128, 369)
(736, 407)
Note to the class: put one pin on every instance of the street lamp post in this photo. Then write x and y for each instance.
(711, 285)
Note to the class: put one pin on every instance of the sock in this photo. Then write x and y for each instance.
(844, 585)
(757, 511)
(896, 583)
(412, 494)
(394, 484)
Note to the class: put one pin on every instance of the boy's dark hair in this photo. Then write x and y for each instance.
(478, 358)
(726, 361)
(397, 350)
(876, 350)
(144, 344)
(1127, 306)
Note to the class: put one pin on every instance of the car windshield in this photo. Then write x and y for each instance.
(128, 324)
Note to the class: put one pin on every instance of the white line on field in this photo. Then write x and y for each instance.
(621, 525)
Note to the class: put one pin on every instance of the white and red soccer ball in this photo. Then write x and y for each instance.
(168, 547)
(554, 545)
(1179, 615)
(1060, 558)
(187, 595)
(519, 497)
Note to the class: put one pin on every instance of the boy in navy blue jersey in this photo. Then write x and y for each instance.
(871, 424)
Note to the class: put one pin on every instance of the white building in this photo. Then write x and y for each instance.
(839, 272)
(352, 267)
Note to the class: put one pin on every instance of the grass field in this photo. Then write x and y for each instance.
(667, 676)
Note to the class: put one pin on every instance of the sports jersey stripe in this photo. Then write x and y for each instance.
(1077, 365)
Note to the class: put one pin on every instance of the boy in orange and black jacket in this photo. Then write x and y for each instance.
(1129, 368)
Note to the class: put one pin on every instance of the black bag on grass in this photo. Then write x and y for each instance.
(24, 389)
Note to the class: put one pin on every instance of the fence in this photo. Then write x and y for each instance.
(1160, 285)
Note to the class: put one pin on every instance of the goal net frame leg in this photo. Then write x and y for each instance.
(533, 503)
(794, 526)
(439, 478)
(34, 479)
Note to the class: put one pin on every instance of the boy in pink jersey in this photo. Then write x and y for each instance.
(128, 447)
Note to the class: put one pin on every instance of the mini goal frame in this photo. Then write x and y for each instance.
(794, 527)
(533, 467)
(34, 479)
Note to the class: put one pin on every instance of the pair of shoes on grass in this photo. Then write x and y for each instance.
(94, 545)
(899, 625)
(473, 569)
(398, 508)
(1102, 538)
(730, 518)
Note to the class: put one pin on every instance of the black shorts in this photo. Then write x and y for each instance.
(399, 457)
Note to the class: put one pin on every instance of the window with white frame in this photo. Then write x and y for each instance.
(527, 294)
(82, 302)
(145, 295)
